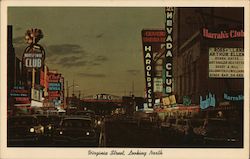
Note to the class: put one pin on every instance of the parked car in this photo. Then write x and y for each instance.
(222, 132)
(24, 129)
(76, 131)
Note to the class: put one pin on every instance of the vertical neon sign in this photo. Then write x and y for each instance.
(168, 73)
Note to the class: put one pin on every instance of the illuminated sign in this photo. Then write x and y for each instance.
(54, 86)
(169, 100)
(54, 77)
(208, 101)
(186, 100)
(22, 100)
(153, 36)
(149, 77)
(33, 56)
(36, 94)
(169, 51)
(233, 98)
(20, 94)
(226, 62)
(153, 49)
(102, 97)
(225, 34)
(158, 85)
(33, 60)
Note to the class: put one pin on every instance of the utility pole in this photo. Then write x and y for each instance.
(73, 88)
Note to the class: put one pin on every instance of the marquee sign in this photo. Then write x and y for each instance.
(226, 62)
(55, 85)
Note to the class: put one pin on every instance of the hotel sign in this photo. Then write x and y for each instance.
(226, 62)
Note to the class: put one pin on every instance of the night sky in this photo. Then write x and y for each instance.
(99, 48)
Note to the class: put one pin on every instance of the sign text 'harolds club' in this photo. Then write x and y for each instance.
(152, 39)
(169, 50)
(149, 81)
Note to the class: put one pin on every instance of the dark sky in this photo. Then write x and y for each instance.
(99, 48)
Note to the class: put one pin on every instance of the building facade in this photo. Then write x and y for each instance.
(197, 31)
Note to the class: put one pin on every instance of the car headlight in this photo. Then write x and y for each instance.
(32, 130)
(49, 127)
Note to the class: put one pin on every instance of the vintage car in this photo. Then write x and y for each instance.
(49, 122)
(21, 129)
(75, 131)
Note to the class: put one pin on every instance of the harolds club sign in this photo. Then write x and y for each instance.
(152, 41)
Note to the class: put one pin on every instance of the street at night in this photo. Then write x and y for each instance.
(154, 78)
(122, 131)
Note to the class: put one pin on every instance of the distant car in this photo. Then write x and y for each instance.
(222, 132)
(76, 131)
(89, 113)
(44, 121)
(24, 129)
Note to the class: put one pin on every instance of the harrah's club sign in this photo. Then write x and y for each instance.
(169, 51)
(229, 34)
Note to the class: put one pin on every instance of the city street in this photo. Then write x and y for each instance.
(126, 77)
(123, 131)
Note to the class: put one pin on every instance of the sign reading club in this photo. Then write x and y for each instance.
(33, 56)
(148, 67)
(169, 50)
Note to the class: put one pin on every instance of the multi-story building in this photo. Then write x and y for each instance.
(202, 36)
